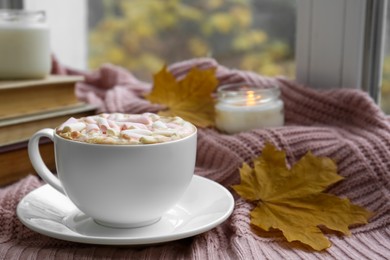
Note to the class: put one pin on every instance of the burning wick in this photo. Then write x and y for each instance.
(251, 99)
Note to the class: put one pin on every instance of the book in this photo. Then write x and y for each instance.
(15, 162)
(28, 97)
(19, 129)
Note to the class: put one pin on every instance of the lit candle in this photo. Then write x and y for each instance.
(243, 107)
(24, 44)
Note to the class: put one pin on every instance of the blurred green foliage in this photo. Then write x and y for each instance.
(385, 88)
(142, 36)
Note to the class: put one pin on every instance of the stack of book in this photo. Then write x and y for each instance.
(27, 106)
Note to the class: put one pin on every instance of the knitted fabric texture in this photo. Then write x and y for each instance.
(342, 124)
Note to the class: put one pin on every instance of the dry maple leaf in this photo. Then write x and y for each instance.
(292, 200)
(189, 98)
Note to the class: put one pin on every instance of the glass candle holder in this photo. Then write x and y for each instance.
(243, 107)
(24, 44)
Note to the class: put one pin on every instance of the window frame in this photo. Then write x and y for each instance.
(344, 49)
(374, 51)
(11, 4)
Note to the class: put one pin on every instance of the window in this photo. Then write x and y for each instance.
(143, 35)
(68, 29)
(337, 42)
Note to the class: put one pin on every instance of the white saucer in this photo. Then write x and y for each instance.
(205, 205)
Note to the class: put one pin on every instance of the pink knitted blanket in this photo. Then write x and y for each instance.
(342, 124)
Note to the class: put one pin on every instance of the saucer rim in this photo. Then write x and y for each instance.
(102, 240)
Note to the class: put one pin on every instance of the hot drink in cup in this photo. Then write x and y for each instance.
(122, 129)
(123, 170)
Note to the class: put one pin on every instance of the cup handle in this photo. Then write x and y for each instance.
(37, 162)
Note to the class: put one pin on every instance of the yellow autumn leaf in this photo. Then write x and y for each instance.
(189, 98)
(293, 201)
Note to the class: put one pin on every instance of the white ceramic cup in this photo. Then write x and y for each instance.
(119, 185)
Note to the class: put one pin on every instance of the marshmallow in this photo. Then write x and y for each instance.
(140, 131)
(160, 125)
(131, 125)
(165, 132)
(131, 135)
(139, 119)
(72, 127)
(112, 132)
(92, 127)
(68, 122)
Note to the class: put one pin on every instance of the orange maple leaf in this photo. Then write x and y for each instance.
(292, 200)
(189, 98)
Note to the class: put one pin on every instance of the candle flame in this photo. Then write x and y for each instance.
(251, 98)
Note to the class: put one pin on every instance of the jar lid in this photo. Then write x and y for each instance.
(21, 16)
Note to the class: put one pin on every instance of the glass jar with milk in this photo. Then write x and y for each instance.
(24, 45)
